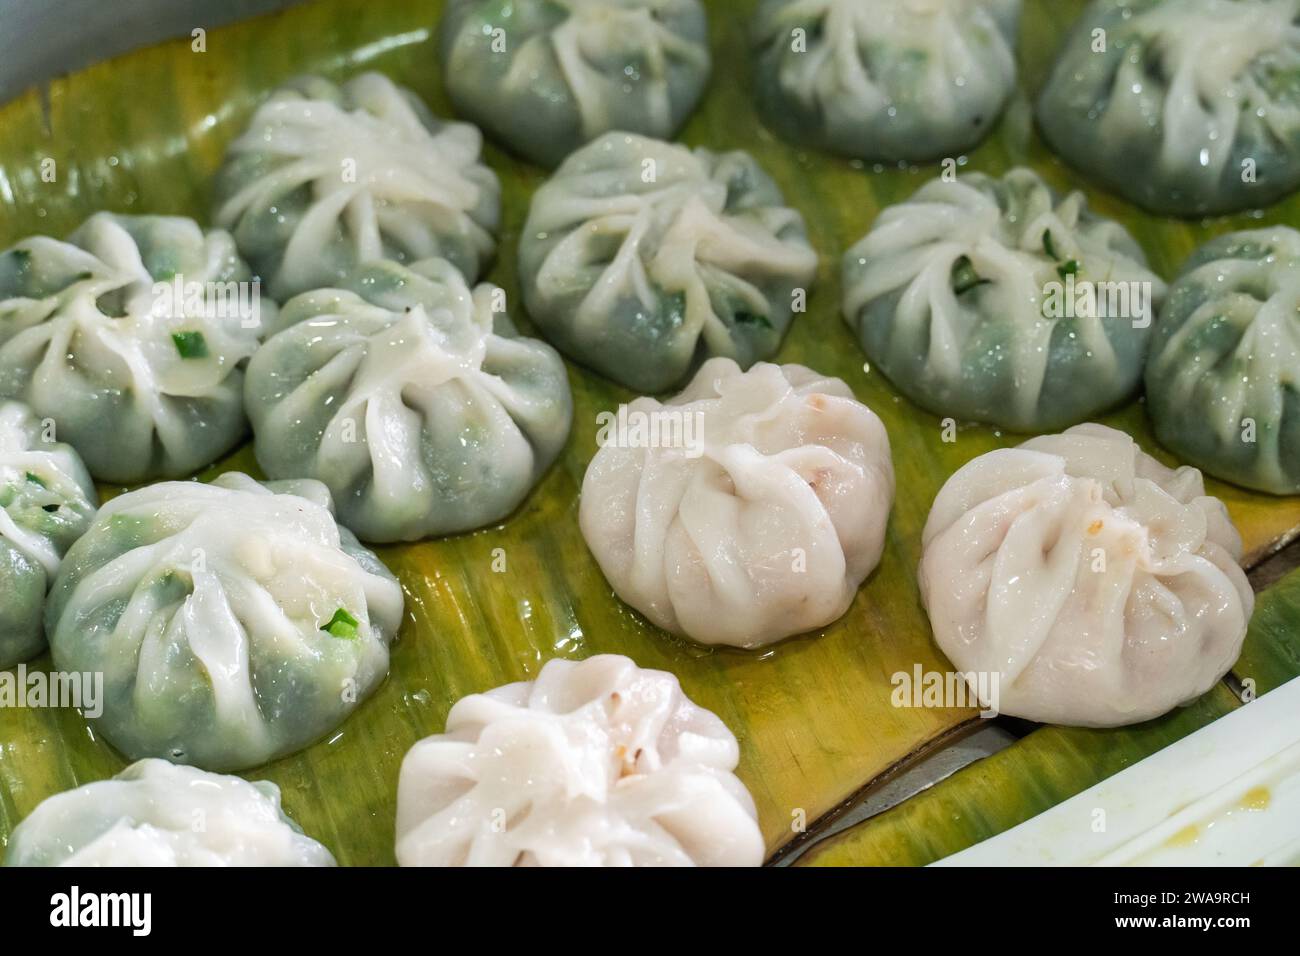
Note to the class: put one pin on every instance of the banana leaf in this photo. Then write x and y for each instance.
(1054, 763)
(145, 133)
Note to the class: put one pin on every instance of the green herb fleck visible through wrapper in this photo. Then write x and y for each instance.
(752, 318)
(342, 625)
(964, 276)
(191, 345)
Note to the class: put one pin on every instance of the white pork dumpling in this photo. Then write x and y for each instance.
(156, 813)
(594, 763)
(642, 258)
(233, 622)
(760, 523)
(885, 80)
(46, 503)
(132, 335)
(1100, 587)
(545, 76)
(413, 399)
(328, 176)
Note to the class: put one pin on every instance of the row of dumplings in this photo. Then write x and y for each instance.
(239, 621)
(1198, 95)
(594, 763)
(1100, 587)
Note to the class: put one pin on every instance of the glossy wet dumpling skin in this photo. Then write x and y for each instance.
(419, 406)
(969, 297)
(155, 813)
(763, 527)
(233, 622)
(1191, 108)
(595, 763)
(1103, 588)
(885, 80)
(641, 258)
(1223, 378)
(326, 177)
(545, 76)
(142, 382)
(46, 502)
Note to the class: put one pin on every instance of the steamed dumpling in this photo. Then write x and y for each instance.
(328, 176)
(46, 502)
(1223, 379)
(155, 813)
(885, 80)
(546, 76)
(233, 622)
(143, 382)
(598, 763)
(1100, 587)
(642, 258)
(419, 406)
(972, 298)
(1185, 107)
(759, 521)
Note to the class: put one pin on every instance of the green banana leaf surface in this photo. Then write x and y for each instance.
(145, 133)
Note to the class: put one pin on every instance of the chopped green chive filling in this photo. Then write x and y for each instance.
(1048, 246)
(191, 345)
(964, 276)
(751, 318)
(36, 480)
(1069, 267)
(342, 624)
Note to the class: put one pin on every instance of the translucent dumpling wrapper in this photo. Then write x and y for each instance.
(642, 258)
(545, 76)
(1185, 107)
(46, 503)
(1079, 581)
(885, 80)
(413, 399)
(1223, 377)
(132, 336)
(233, 622)
(597, 763)
(156, 813)
(747, 509)
(327, 177)
(993, 300)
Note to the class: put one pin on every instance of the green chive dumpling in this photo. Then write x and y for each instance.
(233, 622)
(416, 401)
(992, 300)
(1185, 107)
(132, 335)
(885, 80)
(327, 176)
(1223, 377)
(46, 502)
(156, 813)
(642, 259)
(545, 76)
